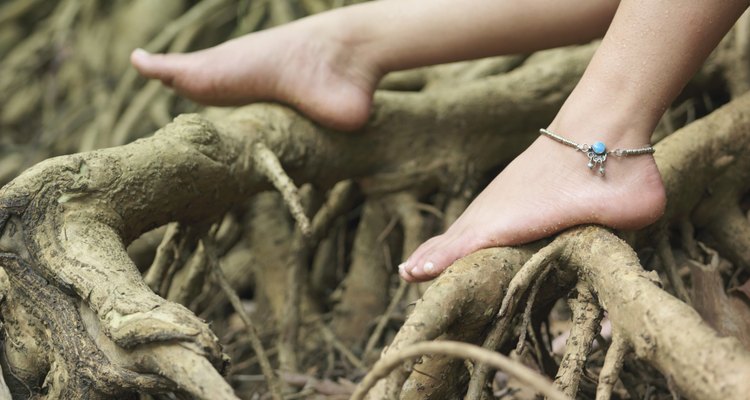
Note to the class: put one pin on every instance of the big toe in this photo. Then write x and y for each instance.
(434, 256)
(156, 66)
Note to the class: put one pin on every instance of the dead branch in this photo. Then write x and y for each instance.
(268, 164)
(456, 349)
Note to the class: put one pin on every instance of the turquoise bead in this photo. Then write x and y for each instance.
(599, 148)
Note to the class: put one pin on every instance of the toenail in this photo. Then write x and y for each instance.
(139, 52)
(429, 267)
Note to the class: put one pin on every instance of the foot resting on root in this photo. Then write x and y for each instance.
(544, 190)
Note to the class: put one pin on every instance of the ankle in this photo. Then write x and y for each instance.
(357, 30)
(348, 44)
(605, 108)
(617, 128)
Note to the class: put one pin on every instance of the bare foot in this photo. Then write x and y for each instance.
(546, 189)
(306, 64)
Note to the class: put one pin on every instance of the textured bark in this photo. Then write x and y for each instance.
(661, 329)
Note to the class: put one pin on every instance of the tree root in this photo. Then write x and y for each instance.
(73, 349)
(702, 364)
(521, 281)
(612, 367)
(75, 214)
(365, 288)
(655, 333)
(446, 308)
(670, 267)
(586, 318)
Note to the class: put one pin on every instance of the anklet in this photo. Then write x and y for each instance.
(597, 152)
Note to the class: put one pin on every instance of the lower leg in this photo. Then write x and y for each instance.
(328, 65)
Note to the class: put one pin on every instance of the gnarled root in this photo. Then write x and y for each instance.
(69, 219)
(645, 318)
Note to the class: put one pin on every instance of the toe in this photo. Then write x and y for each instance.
(412, 268)
(405, 275)
(431, 258)
(156, 66)
(187, 74)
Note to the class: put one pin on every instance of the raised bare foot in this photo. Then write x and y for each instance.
(308, 64)
(546, 189)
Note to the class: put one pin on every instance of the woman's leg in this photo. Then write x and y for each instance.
(649, 53)
(328, 65)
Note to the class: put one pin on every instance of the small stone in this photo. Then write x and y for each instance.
(599, 148)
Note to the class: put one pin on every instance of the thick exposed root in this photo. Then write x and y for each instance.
(521, 282)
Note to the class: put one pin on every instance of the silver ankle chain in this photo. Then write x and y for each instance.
(597, 152)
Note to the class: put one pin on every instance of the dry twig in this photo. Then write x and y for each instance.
(461, 350)
(273, 382)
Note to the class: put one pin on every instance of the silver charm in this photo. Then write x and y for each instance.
(597, 154)
(596, 159)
